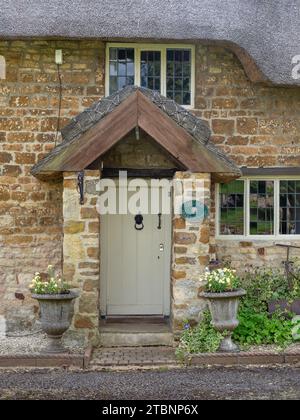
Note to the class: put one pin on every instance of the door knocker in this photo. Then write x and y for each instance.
(139, 222)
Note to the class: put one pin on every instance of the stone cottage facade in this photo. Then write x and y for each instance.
(252, 114)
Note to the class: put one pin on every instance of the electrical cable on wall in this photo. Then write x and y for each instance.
(59, 104)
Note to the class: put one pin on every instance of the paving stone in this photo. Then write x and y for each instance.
(140, 356)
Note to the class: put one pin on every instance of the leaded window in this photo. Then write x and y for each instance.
(151, 70)
(289, 207)
(163, 68)
(121, 68)
(259, 207)
(232, 208)
(179, 75)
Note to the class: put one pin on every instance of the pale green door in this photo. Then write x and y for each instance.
(135, 265)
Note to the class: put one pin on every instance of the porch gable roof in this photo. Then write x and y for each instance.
(92, 133)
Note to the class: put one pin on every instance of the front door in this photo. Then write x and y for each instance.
(135, 264)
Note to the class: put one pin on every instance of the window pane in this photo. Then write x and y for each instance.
(231, 199)
(289, 223)
(113, 83)
(121, 68)
(113, 69)
(179, 75)
(261, 207)
(151, 70)
(113, 54)
(186, 98)
(121, 82)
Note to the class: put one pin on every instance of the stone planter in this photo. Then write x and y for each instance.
(224, 310)
(56, 313)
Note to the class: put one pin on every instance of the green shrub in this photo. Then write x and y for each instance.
(266, 284)
(201, 339)
(259, 328)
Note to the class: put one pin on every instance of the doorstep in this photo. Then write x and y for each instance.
(38, 360)
(135, 332)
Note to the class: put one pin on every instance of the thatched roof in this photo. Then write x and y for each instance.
(264, 34)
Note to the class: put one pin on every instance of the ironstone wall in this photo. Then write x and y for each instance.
(255, 125)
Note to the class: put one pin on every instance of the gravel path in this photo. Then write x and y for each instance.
(185, 384)
(31, 343)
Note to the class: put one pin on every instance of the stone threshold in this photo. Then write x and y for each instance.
(37, 360)
(242, 359)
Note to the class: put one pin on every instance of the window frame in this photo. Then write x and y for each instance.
(137, 65)
(2, 67)
(247, 235)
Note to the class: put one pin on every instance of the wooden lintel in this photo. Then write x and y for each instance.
(139, 173)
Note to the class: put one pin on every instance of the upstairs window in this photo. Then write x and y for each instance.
(168, 69)
(121, 68)
(179, 75)
(2, 67)
(151, 70)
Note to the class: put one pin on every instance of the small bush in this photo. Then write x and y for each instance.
(266, 284)
(201, 339)
(259, 328)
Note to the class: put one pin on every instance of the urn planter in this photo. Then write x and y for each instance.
(56, 313)
(224, 311)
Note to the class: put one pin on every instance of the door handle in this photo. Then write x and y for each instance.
(159, 221)
(161, 247)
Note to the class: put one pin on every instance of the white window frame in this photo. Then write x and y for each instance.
(247, 235)
(153, 47)
(2, 68)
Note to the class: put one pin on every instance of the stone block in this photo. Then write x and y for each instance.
(88, 303)
(89, 213)
(72, 227)
(84, 322)
(184, 238)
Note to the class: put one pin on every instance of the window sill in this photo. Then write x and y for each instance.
(259, 238)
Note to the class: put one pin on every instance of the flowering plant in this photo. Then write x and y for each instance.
(221, 280)
(52, 285)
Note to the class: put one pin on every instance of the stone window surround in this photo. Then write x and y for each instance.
(247, 235)
(81, 256)
(154, 47)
